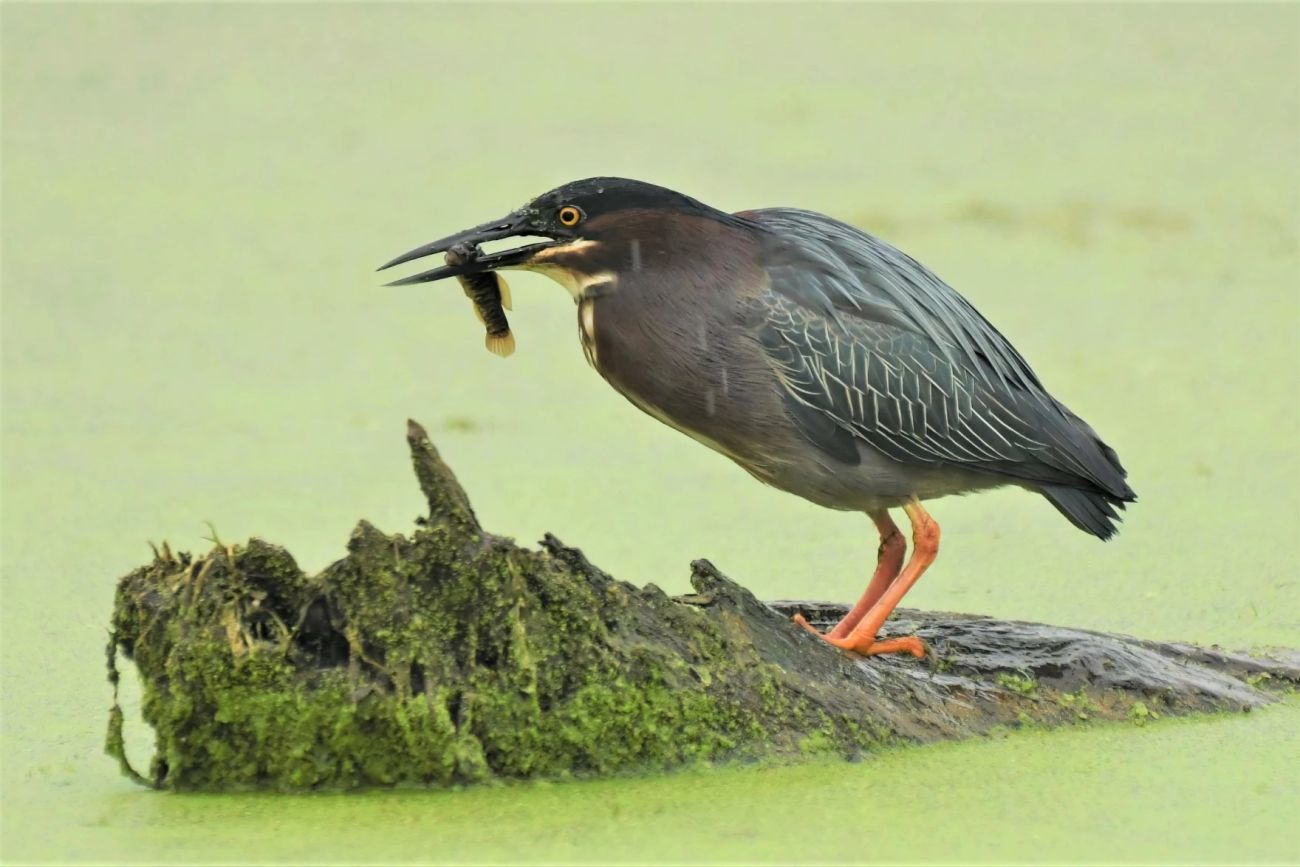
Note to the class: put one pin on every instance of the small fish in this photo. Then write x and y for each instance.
(491, 297)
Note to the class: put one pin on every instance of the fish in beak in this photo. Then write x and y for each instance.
(491, 298)
(514, 225)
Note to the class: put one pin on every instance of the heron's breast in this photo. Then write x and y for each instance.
(680, 365)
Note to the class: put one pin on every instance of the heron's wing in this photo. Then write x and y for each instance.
(891, 388)
(842, 271)
(869, 344)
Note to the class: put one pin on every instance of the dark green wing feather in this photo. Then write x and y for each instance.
(870, 345)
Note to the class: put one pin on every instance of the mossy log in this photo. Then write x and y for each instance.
(454, 656)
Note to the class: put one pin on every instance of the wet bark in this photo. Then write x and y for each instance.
(454, 656)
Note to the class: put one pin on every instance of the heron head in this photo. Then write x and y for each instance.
(589, 232)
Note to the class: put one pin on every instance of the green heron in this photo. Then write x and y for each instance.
(821, 359)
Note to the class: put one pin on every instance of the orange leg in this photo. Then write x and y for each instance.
(862, 636)
(889, 560)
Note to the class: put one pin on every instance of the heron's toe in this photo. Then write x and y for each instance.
(868, 645)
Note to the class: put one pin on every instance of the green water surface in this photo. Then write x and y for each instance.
(194, 198)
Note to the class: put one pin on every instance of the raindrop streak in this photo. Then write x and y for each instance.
(636, 255)
(708, 402)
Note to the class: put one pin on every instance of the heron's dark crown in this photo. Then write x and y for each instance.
(601, 196)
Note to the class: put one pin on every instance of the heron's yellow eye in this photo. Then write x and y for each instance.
(570, 216)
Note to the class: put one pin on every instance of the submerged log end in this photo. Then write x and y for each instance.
(448, 503)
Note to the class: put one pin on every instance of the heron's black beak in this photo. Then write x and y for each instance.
(510, 226)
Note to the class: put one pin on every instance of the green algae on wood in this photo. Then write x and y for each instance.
(454, 656)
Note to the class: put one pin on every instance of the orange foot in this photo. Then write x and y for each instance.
(869, 646)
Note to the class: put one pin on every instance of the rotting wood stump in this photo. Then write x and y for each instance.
(454, 656)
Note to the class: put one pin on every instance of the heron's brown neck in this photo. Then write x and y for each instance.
(635, 244)
(576, 266)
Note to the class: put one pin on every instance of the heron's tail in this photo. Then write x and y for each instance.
(1091, 511)
(1091, 503)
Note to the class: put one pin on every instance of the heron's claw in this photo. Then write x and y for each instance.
(870, 646)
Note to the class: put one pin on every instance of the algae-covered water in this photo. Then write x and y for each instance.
(194, 200)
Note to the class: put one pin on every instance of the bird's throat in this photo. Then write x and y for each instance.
(587, 330)
(573, 267)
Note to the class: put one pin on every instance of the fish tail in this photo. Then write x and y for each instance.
(500, 344)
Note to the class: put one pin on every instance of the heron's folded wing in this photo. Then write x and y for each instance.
(864, 336)
(892, 389)
(842, 272)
